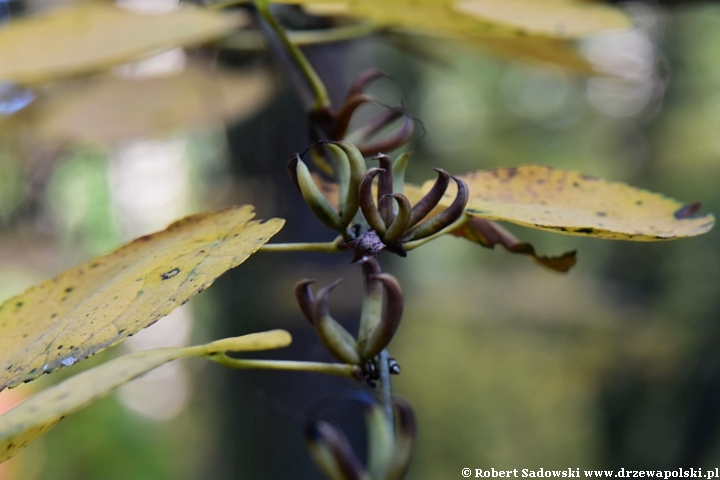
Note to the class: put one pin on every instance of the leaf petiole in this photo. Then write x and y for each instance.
(327, 247)
(340, 369)
(453, 226)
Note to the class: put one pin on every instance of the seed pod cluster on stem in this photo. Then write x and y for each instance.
(390, 445)
(334, 125)
(392, 220)
(349, 166)
(380, 318)
(373, 216)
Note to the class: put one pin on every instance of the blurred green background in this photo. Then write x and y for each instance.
(508, 365)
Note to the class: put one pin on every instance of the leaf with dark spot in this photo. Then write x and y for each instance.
(688, 211)
(108, 304)
(514, 195)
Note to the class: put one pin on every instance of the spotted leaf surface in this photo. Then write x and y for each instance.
(26, 422)
(569, 202)
(87, 37)
(99, 303)
(478, 230)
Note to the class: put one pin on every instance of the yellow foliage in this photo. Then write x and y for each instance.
(26, 422)
(99, 303)
(569, 202)
(93, 36)
(525, 29)
(144, 107)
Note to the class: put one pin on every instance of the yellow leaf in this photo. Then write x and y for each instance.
(90, 37)
(108, 109)
(26, 422)
(576, 204)
(524, 29)
(553, 18)
(99, 303)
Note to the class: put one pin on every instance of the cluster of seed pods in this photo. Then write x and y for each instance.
(391, 221)
(390, 445)
(378, 323)
(328, 124)
(370, 216)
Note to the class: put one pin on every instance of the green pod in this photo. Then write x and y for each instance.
(332, 453)
(342, 166)
(402, 218)
(398, 172)
(391, 316)
(372, 302)
(315, 199)
(333, 335)
(405, 433)
(381, 441)
(357, 170)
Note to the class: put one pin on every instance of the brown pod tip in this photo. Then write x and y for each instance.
(367, 205)
(292, 170)
(305, 298)
(431, 199)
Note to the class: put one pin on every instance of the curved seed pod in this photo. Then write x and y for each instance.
(375, 124)
(357, 170)
(305, 298)
(342, 166)
(395, 140)
(398, 172)
(391, 316)
(292, 170)
(372, 302)
(363, 80)
(319, 161)
(367, 205)
(315, 199)
(381, 441)
(402, 219)
(344, 115)
(445, 218)
(333, 335)
(384, 190)
(431, 199)
(405, 432)
(332, 453)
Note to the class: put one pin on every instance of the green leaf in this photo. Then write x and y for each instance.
(88, 37)
(99, 303)
(26, 422)
(569, 202)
